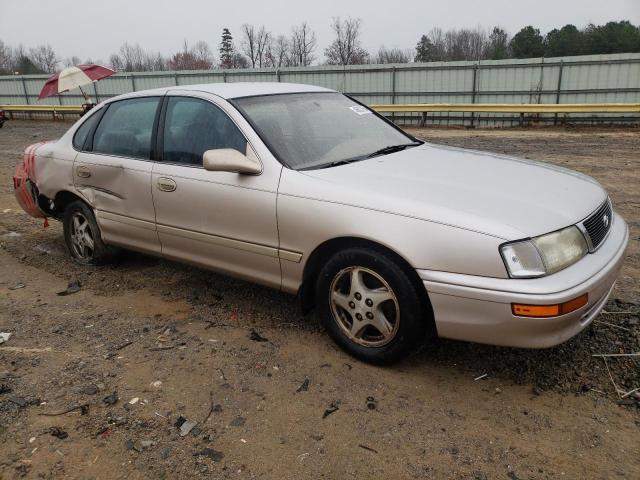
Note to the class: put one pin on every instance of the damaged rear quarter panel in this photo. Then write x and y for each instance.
(54, 168)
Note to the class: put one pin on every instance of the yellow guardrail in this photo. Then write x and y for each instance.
(419, 107)
(42, 108)
(512, 107)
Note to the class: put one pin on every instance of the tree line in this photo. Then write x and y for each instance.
(258, 47)
(529, 42)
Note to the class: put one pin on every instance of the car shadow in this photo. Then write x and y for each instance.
(569, 367)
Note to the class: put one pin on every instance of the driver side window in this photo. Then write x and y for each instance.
(193, 126)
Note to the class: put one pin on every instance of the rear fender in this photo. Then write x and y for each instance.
(24, 183)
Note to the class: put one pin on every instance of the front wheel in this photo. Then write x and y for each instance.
(82, 235)
(370, 307)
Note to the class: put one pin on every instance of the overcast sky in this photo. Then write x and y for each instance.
(95, 29)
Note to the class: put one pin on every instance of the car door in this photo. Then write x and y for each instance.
(113, 172)
(219, 220)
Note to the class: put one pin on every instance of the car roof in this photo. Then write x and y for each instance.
(234, 89)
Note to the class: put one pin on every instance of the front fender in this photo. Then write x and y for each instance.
(305, 223)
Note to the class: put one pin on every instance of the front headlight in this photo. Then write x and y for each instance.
(545, 254)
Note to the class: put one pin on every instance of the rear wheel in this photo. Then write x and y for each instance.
(82, 235)
(370, 307)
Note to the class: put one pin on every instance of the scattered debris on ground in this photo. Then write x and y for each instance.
(58, 433)
(179, 340)
(256, 337)
(304, 386)
(334, 407)
(73, 287)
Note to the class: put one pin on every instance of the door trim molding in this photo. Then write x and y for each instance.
(231, 243)
(134, 222)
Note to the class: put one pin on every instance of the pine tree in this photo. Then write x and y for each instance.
(25, 66)
(527, 43)
(566, 41)
(226, 49)
(497, 45)
(424, 50)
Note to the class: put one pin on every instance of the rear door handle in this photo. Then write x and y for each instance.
(166, 184)
(83, 172)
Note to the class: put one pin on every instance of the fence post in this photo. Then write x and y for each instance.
(175, 79)
(277, 74)
(393, 92)
(558, 91)
(24, 89)
(224, 76)
(26, 95)
(133, 82)
(473, 91)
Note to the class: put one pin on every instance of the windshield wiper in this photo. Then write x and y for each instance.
(393, 148)
(382, 151)
(336, 163)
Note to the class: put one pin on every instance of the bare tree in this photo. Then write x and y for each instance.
(439, 45)
(239, 61)
(346, 48)
(203, 53)
(116, 62)
(478, 41)
(133, 58)
(455, 44)
(71, 61)
(278, 52)
(6, 59)
(198, 57)
(44, 58)
(155, 62)
(254, 43)
(302, 45)
(392, 55)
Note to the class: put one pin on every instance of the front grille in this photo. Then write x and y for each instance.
(598, 225)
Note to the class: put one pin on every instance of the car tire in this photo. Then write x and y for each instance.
(370, 307)
(82, 236)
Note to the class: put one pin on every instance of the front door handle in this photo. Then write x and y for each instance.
(166, 184)
(83, 171)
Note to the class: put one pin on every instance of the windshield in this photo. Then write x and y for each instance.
(313, 130)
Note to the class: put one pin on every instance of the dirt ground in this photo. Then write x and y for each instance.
(174, 343)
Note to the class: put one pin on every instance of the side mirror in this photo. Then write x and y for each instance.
(231, 160)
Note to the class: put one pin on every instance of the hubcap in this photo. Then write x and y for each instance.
(81, 238)
(364, 306)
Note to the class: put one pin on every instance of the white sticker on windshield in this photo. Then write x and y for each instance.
(360, 110)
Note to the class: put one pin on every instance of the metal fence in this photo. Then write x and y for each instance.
(583, 79)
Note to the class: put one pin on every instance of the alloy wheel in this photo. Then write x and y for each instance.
(364, 306)
(82, 241)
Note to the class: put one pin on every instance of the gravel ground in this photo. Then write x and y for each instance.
(184, 343)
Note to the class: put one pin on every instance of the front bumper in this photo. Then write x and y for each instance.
(478, 309)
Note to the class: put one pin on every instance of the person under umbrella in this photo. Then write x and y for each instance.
(75, 77)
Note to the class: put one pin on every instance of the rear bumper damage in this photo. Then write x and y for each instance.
(24, 183)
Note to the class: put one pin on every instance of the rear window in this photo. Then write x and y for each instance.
(80, 137)
(126, 128)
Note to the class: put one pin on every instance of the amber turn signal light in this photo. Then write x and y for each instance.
(556, 310)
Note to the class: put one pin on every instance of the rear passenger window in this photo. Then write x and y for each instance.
(193, 126)
(126, 128)
(80, 137)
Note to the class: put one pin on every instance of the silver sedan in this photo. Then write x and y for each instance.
(392, 240)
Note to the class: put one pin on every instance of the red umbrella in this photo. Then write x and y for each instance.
(74, 77)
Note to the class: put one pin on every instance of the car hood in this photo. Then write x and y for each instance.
(498, 195)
